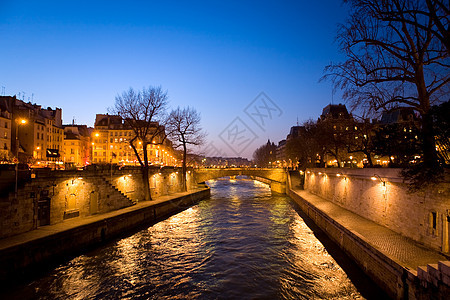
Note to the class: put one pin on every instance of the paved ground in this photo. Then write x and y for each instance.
(400, 249)
(76, 222)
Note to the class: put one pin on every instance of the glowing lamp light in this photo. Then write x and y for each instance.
(23, 121)
(338, 175)
(377, 177)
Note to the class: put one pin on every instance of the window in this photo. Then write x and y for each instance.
(433, 223)
(6, 124)
(433, 220)
(38, 135)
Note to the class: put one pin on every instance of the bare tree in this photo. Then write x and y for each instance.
(395, 57)
(183, 127)
(143, 112)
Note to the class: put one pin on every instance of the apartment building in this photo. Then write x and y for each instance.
(5, 135)
(77, 145)
(36, 132)
(111, 144)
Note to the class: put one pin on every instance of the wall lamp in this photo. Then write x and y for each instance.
(377, 177)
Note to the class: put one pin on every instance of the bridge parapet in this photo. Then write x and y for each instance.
(275, 176)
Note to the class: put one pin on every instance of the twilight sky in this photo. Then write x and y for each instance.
(251, 69)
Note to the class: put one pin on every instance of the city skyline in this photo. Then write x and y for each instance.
(216, 58)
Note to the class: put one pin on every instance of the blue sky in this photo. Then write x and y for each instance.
(216, 56)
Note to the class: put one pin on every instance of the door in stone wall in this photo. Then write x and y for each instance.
(71, 202)
(43, 211)
(446, 234)
(93, 203)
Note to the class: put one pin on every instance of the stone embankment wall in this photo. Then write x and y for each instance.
(381, 196)
(54, 196)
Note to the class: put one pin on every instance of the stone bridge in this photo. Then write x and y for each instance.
(275, 177)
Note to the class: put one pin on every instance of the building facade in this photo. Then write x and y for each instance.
(111, 144)
(36, 133)
(77, 145)
(5, 136)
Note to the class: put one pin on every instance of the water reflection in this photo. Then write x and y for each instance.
(243, 243)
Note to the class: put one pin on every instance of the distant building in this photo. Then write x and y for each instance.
(280, 154)
(295, 132)
(335, 112)
(39, 130)
(398, 115)
(77, 145)
(5, 135)
(111, 144)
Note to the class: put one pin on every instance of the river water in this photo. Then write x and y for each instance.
(243, 243)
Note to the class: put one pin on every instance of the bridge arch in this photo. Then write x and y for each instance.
(274, 176)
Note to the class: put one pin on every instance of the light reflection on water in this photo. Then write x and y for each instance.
(243, 243)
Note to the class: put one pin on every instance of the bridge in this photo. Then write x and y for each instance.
(275, 177)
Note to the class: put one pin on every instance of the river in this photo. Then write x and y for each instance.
(242, 243)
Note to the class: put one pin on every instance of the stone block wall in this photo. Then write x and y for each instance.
(381, 195)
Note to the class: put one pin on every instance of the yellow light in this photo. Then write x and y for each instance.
(97, 134)
(38, 148)
(23, 121)
(338, 175)
(373, 178)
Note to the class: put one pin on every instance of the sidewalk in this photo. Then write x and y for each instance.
(402, 250)
(48, 230)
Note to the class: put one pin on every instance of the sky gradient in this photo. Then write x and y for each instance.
(214, 56)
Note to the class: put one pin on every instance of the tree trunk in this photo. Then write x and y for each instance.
(184, 169)
(146, 183)
(145, 178)
(369, 158)
(429, 144)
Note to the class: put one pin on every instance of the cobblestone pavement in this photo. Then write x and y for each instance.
(401, 249)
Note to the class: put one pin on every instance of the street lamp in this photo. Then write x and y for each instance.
(19, 122)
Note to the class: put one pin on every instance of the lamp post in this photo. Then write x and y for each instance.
(19, 122)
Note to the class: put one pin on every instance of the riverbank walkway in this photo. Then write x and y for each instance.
(402, 250)
(49, 230)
